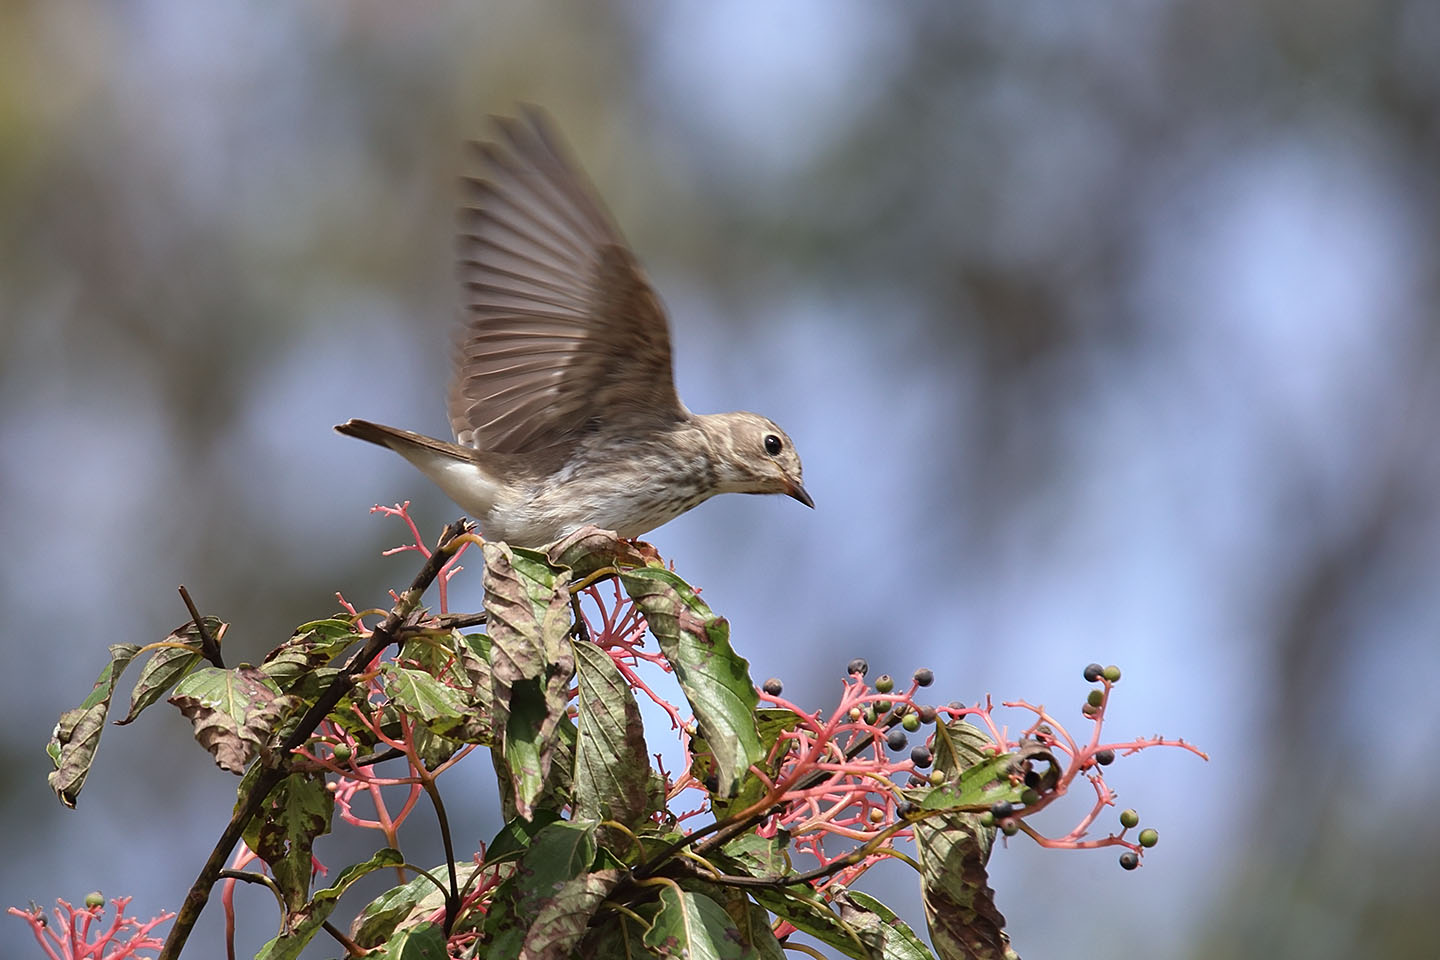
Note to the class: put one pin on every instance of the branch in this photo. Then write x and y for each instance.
(277, 764)
(209, 646)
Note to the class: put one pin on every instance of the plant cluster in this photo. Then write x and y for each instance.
(602, 853)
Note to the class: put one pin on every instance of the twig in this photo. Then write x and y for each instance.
(278, 763)
(209, 647)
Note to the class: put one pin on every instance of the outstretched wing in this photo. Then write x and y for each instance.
(562, 331)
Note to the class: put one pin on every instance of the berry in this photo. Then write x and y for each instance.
(343, 752)
(882, 706)
(1093, 672)
(1010, 827)
(884, 683)
(869, 715)
(920, 756)
(858, 667)
(1129, 818)
(927, 714)
(773, 686)
(1105, 757)
(94, 899)
(987, 819)
(924, 677)
(1088, 710)
(1095, 698)
(956, 706)
(936, 778)
(1129, 860)
(1112, 673)
(1148, 838)
(712, 783)
(855, 713)
(1001, 809)
(904, 808)
(911, 722)
(876, 814)
(1030, 797)
(896, 739)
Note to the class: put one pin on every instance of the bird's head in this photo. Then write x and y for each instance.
(753, 455)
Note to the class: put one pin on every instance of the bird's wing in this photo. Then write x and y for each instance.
(562, 331)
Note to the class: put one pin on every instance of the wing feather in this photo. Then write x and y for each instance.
(562, 331)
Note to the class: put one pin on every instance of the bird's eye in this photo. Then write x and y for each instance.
(772, 445)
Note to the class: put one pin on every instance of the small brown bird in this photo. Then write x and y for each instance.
(563, 401)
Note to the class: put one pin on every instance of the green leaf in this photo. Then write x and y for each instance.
(425, 941)
(976, 776)
(959, 904)
(612, 765)
(893, 936)
(715, 679)
(532, 662)
(514, 838)
(770, 722)
(617, 936)
(408, 904)
(300, 665)
(558, 853)
(752, 855)
(302, 925)
(283, 832)
(233, 711)
(591, 549)
(693, 927)
(441, 708)
(77, 734)
(752, 922)
(804, 909)
(168, 664)
(562, 919)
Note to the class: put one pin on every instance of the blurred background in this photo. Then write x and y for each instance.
(1106, 332)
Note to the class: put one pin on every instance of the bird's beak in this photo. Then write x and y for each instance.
(798, 492)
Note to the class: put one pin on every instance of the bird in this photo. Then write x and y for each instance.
(563, 402)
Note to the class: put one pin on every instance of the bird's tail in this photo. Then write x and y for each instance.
(403, 442)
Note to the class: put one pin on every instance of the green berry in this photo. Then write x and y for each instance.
(1112, 673)
(924, 677)
(882, 706)
(343, 752)
(1010, 827)
(884, 683)
(1095, 698)
(1148, 838)
(94, 899)
(1129, 818)
(1129, 860)
(936, 778)
(987, 819)
(1093, 672)
(1030, 797)
(773, 686)
(911, 722)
